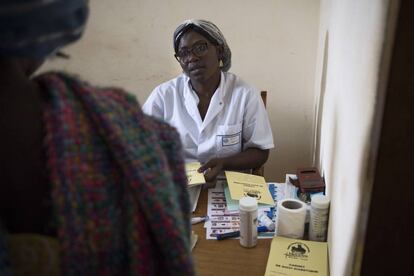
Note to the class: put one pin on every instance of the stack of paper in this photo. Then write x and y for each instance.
(220, 221)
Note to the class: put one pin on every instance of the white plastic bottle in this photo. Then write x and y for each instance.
(319, 214)
(248, 221)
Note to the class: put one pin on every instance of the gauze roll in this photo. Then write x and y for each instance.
(291, 218)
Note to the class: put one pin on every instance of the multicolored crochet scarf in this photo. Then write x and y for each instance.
(119, 187)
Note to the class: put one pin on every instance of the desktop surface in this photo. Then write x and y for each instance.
(226, 257)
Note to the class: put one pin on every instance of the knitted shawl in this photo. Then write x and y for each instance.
(118, 183)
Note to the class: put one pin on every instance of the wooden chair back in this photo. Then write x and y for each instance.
(260, 171)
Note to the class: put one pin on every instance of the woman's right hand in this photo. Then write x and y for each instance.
(212, 169)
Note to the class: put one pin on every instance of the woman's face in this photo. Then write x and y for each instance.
(201, 61)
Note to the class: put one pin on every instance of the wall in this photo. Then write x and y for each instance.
(349, 58)
(129, 44)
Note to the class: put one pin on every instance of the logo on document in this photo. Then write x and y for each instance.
(297, 250)
(253, 193)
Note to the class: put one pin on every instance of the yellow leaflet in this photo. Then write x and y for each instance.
(243, 184)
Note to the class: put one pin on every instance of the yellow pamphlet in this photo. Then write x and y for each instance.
(194, 177)
(293, 257)
(244, 184)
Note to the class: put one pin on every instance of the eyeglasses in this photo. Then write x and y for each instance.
(198, 50)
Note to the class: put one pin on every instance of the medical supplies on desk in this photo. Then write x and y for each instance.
(309, 182)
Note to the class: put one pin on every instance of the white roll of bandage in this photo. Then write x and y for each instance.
(291, 214)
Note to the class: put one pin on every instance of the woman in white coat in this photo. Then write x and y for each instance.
(221, 119)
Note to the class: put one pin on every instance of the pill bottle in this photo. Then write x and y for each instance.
(248, 221)
(319, 214)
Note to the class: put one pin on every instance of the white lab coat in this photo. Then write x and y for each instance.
(236, 118)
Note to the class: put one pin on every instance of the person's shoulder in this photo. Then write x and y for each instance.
(238, 84)
(71, 81)
(172, 85)
(158, 124)
(59, 78)
(164, 131)
(63, 81)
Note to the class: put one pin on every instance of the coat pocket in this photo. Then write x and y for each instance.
(228, 140)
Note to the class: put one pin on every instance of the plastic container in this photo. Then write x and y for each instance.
(319, 215)
(248, 221)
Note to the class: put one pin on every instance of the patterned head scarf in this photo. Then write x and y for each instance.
(36, 28)
(210, 32)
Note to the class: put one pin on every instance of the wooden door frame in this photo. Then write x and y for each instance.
(385, 241)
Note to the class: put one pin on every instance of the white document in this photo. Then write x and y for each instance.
(194, 193)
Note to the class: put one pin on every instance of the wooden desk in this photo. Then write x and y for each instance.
(227, 257)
